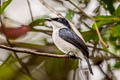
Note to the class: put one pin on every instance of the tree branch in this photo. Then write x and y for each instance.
(55, 55)
(38, 53)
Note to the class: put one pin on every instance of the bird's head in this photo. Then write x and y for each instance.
(60, 22)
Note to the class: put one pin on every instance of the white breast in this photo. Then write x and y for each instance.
(63, 45)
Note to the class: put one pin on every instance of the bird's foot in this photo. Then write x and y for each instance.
(72, 54)
(69, 53)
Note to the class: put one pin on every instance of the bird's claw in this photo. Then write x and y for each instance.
(72, 55)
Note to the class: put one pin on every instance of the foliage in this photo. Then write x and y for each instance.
(39, 22)
(117, 11)
(44, 68)
(117, 65)
(90, 35)
(4, 6)
(70, 15)
(109, 4)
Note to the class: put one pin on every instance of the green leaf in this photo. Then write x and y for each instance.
(39, 22)
(117, 47)
(90, 35)
(106, 18)
(117, 65)
(7, 71)
(103, 20)
(101, 23)
(117, 11)
(4, 6)
(115, 31)
(24, 77)
(70, 15)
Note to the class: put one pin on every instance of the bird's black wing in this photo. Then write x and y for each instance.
(74, 39)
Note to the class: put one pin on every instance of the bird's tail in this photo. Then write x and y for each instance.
(89, 66)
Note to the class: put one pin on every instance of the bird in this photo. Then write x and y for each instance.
(68, 41)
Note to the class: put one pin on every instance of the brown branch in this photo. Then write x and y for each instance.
(38, 53)
(97, 58)
(50, 48)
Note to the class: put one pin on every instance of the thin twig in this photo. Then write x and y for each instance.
(32, 18)
(86, 25)
(50, 8)
(74, 74)
(55, 55)
(79, 8)
(49, 32)
(94, 48)
(104, 73)
(102, 50)
(97, 30)
(37, 53)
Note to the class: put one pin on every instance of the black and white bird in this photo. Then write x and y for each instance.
(68, 41)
